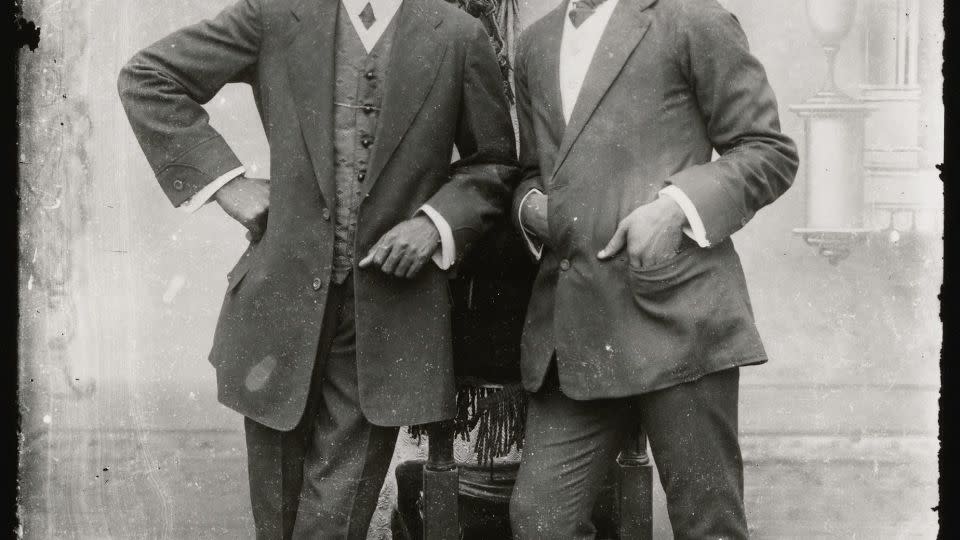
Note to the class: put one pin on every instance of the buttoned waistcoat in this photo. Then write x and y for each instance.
(358, 100)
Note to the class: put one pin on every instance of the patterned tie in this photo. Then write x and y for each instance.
(367, 17)
(582, 10)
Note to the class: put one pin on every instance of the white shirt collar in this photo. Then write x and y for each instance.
(603, 10)
(600, 17)
(383, 11)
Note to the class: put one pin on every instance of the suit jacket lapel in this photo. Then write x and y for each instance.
(549, 68)
(414, 60)
(310, 67)
(626, 28)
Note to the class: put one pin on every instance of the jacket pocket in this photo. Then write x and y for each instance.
(240, 269)
(699, 296)
(651, 281)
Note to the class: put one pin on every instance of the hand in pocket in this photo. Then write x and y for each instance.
(652, 234)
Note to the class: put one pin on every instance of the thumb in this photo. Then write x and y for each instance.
(615, 245)
(365, 262)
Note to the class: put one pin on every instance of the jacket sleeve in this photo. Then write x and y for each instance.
(530, 176)
(757, 162)
(478, 192)
(164, 86)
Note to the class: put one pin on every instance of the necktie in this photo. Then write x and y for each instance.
(582, 10)
(367, 17)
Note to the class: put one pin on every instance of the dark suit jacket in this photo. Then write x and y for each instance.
(671, 81)
(442, 87)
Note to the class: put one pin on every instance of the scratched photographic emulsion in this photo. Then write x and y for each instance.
(480, 269)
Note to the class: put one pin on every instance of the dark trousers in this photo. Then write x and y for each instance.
(570, 445)
(322, 479)
(484, 501)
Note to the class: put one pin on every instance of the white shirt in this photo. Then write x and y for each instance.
(383, 12)
(577, 48)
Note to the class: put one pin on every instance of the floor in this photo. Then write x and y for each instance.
(192, 484)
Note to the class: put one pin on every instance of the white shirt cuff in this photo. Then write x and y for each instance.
(535, 247)
(448, 249)
(203, 196)
(694, 227)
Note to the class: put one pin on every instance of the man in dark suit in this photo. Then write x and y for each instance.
(640, 310)
(335, 328)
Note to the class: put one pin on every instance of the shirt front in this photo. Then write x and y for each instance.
(577, 48)
(383, 12)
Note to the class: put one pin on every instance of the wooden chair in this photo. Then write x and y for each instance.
(441, 487)
(636, 489)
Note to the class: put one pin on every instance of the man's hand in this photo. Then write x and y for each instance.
(247, 201)
(404, 249)
(533, 215)
(652, 233)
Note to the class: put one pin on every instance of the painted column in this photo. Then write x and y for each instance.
(834, 142)
(901, 194)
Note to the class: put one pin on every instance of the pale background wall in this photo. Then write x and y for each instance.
(839, 429)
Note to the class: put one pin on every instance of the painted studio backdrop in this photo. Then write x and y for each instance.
(122, 433)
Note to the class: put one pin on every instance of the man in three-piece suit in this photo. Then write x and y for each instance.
(640, 311)
(335, 328)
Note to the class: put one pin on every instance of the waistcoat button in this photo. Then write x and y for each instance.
(564, 265)
(326, 214)
(361, 175)
(317, 284)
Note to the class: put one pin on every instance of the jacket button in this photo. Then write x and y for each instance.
(565, 265)
(178, 184)
(370, 75)
(361, 175)
(366, 141)
(326, 214)
(317, 284)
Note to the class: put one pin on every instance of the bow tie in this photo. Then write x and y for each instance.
(582, 10)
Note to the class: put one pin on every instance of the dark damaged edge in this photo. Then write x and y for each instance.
(25, 32)
(20, 33)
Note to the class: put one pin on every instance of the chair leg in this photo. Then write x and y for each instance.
(441, 520)
(636, 489)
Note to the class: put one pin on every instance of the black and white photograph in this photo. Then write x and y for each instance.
(479, 269)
